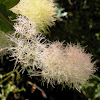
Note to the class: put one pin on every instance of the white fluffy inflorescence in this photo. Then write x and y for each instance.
(66, 65)
(58, 64)
(24, 26)
(42, 12)
(53, 61)
(27, 51)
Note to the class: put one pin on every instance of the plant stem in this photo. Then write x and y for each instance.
(6, 19)
(5, 79)
(13, 26)
(96, 77)
(9, 74)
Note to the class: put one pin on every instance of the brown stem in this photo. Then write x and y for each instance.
(13, 26)
(37, 87)
(6, 19)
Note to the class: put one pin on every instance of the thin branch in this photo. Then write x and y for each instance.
(9, 74)
(96, 77)
(34, 87)
(6, 19)
(13, 26)
(70, 2)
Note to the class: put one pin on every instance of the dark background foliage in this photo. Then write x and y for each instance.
(81, 25)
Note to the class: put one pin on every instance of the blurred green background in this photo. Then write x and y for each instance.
(79, 22)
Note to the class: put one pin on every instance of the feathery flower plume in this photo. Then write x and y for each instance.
(26, 52)
(69, 65)
(53, 59)
(42, 12)
(80, 66)
(23, 26)
(66, 65)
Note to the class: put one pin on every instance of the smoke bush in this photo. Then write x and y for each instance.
(53, 61)
(42, 12)
(24, 26)
(66, 65)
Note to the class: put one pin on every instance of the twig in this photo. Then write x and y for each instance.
(5, 79)
(34, 87)
(70, 2)
(96, 77)
(9, 74)
(13, 26)
(6, 19)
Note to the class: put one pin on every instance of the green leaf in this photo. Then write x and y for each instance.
(97, 95)
(1, 1)
(10, 3)
(4, 42)
(18, 76)
(5, 24)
